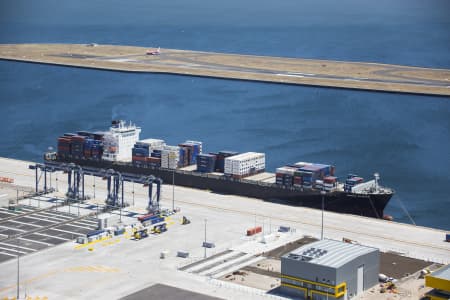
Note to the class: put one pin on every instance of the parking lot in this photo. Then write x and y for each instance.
(29, 229)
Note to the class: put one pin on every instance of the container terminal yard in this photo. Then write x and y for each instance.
(212, 246)
(327, 73)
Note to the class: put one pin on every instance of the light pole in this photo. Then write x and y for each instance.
(204, 244)
(18, 267)
(93, 185)
(322, 192)
(132, 183)
(173, 192)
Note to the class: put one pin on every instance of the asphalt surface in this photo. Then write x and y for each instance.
(166, 292)
(30, 229)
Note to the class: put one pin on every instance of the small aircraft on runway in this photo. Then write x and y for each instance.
(154, 51)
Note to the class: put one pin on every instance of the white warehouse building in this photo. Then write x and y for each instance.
(329, 269)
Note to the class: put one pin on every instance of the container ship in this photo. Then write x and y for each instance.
(227, 172)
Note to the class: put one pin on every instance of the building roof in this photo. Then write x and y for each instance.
(439, 279)
(329, 253)
(442, 273)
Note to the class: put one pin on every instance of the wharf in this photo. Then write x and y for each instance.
(297, 71)
(120, 266)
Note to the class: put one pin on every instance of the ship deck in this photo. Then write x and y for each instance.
(283, 70)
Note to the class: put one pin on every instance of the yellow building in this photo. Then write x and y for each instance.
(439, 280)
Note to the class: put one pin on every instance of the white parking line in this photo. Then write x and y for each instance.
(62, 230)
(7, 211)
(12, 228)
(15, 246)
(24, 223)
(13, 250)
(51, 217)
(8, 254)
(40, 219)
(56, 237)
(72, 224)
(34, 241)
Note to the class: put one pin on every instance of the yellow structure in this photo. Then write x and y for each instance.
(439, 280)
(304, 285)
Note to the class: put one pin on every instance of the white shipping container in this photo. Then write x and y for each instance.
(245, 163)
(286, 170)
(154, 144)
(106, 220)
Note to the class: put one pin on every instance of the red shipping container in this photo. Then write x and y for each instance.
(138, 158)
(254, 230)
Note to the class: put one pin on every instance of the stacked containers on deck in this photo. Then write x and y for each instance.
(351, 181)
(92, 149)
(198, 149)
(150, 159)
(93, 145)
(307, 175)
(206, 163)
(139, 153)
(156, 153)
(245, 164)
(329, 182)
(220, 159)
(311, 173)
(285, 175)
(188, 152)
(77, 149)
(65, 145)
(170, 157)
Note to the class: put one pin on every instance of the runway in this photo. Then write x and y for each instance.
(326, 73)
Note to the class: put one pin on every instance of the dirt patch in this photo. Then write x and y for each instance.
(397, 266)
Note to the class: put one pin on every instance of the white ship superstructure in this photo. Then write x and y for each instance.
(119, 141)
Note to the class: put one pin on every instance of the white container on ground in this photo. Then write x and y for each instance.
(106, 220)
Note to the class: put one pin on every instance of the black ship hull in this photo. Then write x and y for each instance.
(369, 205)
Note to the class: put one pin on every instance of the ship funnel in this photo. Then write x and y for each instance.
(377, 177)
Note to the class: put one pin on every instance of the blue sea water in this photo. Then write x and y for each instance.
(403, 137)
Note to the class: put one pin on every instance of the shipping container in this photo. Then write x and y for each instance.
(254, 230)
(206, 163)
(145, 217)
(245, 164)
(95, 232)
(284, 229)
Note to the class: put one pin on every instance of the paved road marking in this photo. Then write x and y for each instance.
(40, 219)
(25, 223)
(13, 250)
(16, 246)
(52, 236)
(17, 229)
(35, 241)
